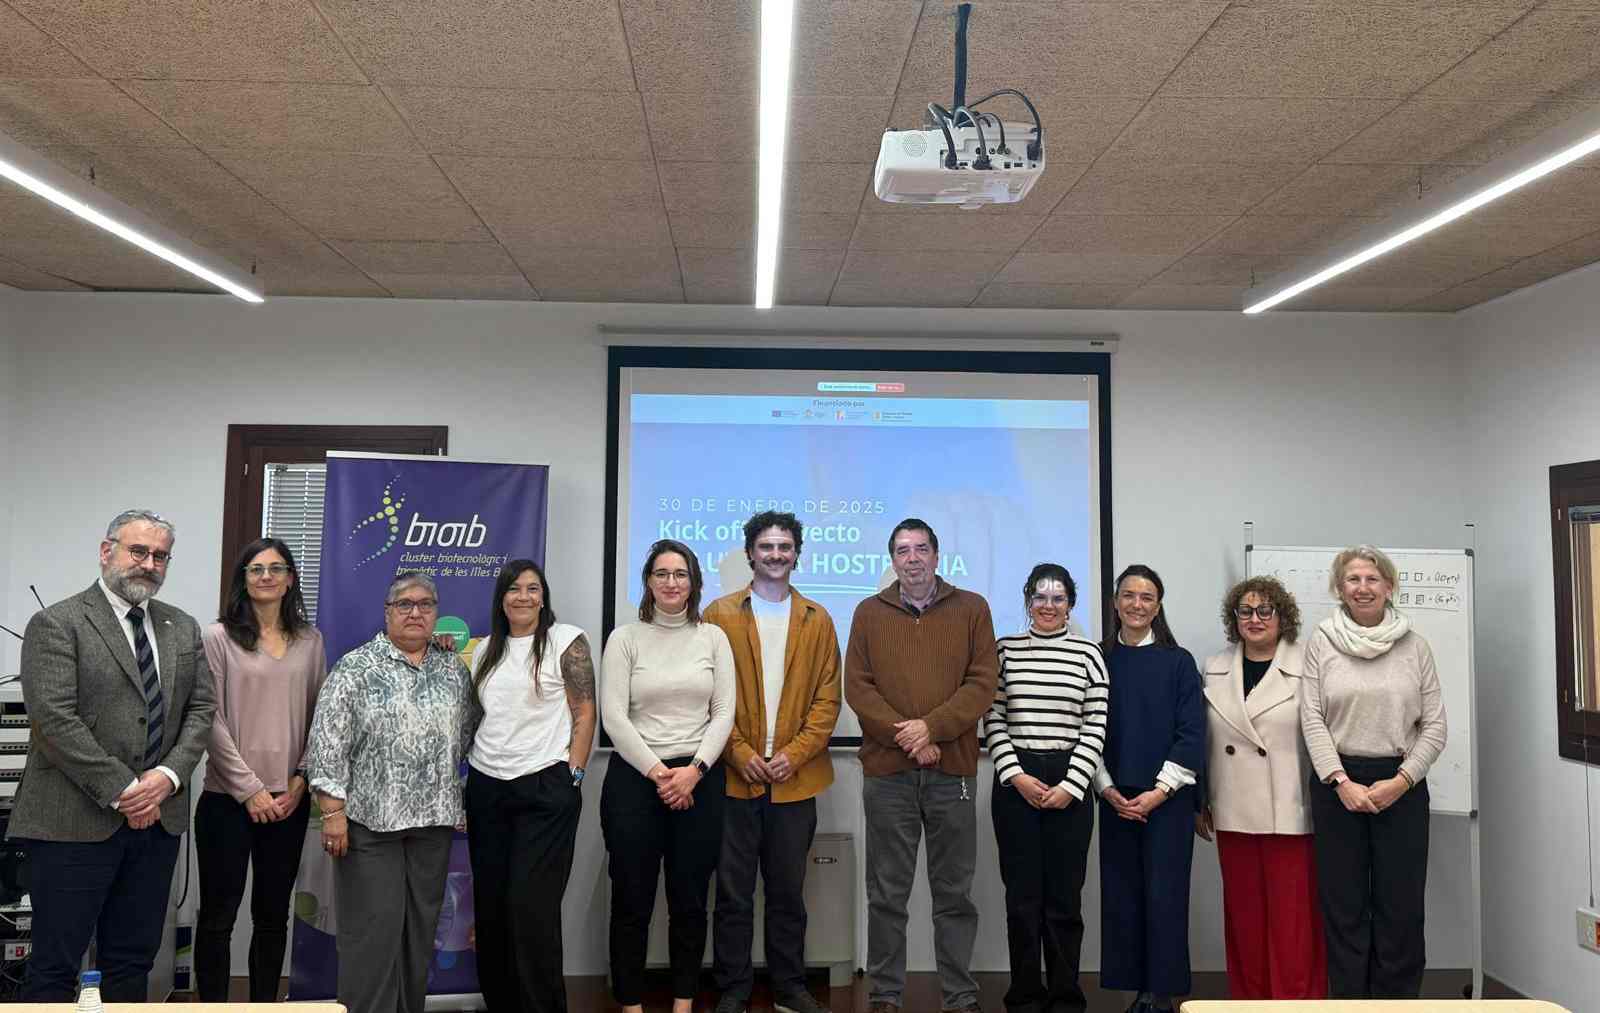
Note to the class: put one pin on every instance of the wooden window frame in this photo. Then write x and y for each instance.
(1578, 735)
(252, 447)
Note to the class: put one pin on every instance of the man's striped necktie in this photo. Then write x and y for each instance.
(154, 706)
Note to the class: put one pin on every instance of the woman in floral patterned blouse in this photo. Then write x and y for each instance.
(393, 725)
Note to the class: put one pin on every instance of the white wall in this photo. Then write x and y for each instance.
(9, 433)
(1532, 400)
(1322, 428)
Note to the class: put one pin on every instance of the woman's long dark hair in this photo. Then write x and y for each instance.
(500, 626)
(239, 615)
(1158, 625)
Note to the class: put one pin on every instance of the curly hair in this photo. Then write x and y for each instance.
(1276, 595)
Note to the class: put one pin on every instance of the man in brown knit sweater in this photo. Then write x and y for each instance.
(920, 672)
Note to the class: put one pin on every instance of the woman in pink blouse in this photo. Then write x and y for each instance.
(269, 663)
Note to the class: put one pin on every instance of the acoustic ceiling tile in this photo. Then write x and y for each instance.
(341, 195)
(730, 230)
(1124, 49)
(28, 52)
(920, 292)
(548, 45)
(1273, 234)
(1077, 128)
(1230, 270)
(1568, 256)
(1459, 131)
(583, 274)
(804, 277)
(319, 117)
(1358, 298)
(1508, 235)
(688, 127)
(1069, 233)
(1458, 298)
(809, 187)
(1332, 48)
(1438, 267)
(1157, 296)
(1085, 296)
(1173, 188)
(1068, 268)
(456, 286)
(518, 123)
(943, 232)
(1359, 190)
(1573, 192)
(90, 113)
(1243, 129)
(1548, 54)
(459, 260)
(23, 277)
(233, 40)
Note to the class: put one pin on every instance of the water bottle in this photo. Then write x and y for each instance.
(89, 993)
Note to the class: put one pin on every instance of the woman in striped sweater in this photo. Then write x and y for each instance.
(1045, 733)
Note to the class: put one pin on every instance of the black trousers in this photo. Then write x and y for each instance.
(226, 845)
(776, 837)
(642, 834)
(521, 835)
(1372, 878)
(1044, 854)
(115, 890)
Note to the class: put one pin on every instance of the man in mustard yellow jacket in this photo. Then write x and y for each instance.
(786, 657)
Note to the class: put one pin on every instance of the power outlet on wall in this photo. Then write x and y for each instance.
(1589, 929)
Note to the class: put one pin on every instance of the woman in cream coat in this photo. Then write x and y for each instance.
(1257, 776)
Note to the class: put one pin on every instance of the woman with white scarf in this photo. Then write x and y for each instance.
(1374, 722)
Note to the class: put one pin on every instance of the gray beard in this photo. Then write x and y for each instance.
(132, 592)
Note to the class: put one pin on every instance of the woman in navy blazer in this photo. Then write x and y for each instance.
(1155, 753)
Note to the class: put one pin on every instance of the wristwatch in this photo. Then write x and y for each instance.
(1337, 779)
(700, 765)
(577, 776)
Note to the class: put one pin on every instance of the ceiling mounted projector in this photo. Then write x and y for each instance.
(914, 167)
(962, 155)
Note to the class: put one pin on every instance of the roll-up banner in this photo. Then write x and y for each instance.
(458, 522)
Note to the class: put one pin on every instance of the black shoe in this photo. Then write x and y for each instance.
(732, 1004)
(1141, 1006)
(799, 1002)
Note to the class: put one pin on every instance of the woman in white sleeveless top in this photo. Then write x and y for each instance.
(534, 679)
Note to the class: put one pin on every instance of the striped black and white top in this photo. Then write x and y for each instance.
(1053, 695)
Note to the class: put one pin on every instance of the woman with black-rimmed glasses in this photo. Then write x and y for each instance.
(667, 697)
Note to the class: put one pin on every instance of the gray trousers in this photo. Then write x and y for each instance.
(389, 888)
(899, 809)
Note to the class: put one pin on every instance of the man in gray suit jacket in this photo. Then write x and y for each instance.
(120, 700)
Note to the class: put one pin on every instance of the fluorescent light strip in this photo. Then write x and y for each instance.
(64, 200)
(777, 34)
(1541, 168)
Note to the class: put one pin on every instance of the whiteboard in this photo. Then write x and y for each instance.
(1435, 593)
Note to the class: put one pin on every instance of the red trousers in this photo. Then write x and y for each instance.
(1271, 918)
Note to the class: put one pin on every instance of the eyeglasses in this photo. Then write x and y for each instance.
(256, 571)
(403, 607)
(140, 553)
(1041, 600)
(662, 576)
(1262, 612)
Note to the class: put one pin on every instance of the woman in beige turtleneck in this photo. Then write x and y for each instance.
(666, 699)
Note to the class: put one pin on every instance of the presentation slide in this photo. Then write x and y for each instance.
(1004, 467)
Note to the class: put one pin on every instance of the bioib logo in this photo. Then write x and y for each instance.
(446, 534)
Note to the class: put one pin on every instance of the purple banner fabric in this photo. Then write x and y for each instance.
(458, 522)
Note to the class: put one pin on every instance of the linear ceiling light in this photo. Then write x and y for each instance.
(1467, 205)
(31, 174)
(777, 34)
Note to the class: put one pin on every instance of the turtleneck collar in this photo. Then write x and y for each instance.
(671, 622)
(1034, 631)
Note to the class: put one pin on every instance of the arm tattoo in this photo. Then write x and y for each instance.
(577, 669)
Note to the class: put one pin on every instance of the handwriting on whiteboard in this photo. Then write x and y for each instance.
(1434, 590)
